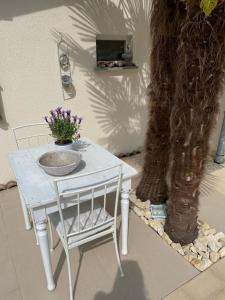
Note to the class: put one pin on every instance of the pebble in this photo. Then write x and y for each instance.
(200, 246)
(157, 226)
(222, 241)
(219, 235)
(214, 256)
(193, 249)
(205, 226)
(167, 238)
(178, 248)
(148, 214)
(222, 252)
(138, 211)
(214, 245)
(190, 256)
(186, 249)
(210, 231)
(201, 265)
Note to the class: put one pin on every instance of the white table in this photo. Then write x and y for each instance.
(36, 188)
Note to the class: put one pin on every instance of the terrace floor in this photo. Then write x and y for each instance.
(153, 270)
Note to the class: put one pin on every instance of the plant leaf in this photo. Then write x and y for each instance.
(208, 6)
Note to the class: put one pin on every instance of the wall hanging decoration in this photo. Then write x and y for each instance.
(68, 90)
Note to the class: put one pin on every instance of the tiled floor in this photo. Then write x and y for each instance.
(153, 269)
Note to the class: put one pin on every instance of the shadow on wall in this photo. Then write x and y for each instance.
(131, 286)
(118, 98)
(11, 9)
(3, 123)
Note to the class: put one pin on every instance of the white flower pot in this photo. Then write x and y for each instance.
(69, 146)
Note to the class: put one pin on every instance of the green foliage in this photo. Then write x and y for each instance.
(208, 6)
(63, 126)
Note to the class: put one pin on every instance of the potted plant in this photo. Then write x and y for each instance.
(64, 127)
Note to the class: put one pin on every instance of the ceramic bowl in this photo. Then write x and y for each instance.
(60, 162)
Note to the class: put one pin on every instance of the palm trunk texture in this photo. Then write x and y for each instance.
(187, 72)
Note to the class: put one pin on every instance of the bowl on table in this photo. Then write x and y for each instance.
(59, 162)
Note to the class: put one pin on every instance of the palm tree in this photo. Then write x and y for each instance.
(187, 68)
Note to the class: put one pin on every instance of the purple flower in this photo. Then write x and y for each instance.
(74, 118)
(63, 114)
(46, 119)
(68, 111)
(79, 120)
(52, 112)
(58, 110)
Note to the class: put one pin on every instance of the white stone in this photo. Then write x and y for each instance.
(160, 231)
(157, 226)
(205, 255)
(204, 226)
(200, 253)
(201, 265)
(200, 222)
(210, 231)
(222, 241)
(222, 252)
(133, 197)
(186, 249)
(144, 219)
(200, 246)
(205, 239)
(147, 204)
(190, 256)
(214, 256)
(193, 249)
(219, 235)
(214, 245)
(167, 238)
(147, 214)
(138, 211)
(178, 248)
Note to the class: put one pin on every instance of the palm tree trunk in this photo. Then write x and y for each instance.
(199, 73)
(153, 184)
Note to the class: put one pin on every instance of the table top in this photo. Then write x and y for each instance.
(37, 187)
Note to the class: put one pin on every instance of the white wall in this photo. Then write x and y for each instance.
(113, 104)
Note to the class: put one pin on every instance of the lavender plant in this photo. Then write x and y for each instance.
(64, 126)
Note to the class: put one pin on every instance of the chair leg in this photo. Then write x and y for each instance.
(117, 253)
(35, 230)
(69, 273)
(50, 235)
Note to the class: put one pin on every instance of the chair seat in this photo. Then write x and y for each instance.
(88, 219)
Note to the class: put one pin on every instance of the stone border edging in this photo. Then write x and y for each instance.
(206, 250)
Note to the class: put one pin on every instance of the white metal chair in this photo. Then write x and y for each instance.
(87, 219)
(22, 138)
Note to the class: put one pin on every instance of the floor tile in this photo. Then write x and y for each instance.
(204, 286)
(8, 276)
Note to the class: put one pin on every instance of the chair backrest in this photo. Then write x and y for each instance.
(29, 135)
(105, 181)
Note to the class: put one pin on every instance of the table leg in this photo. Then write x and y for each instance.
(25, 213)
(45, 254)
(125, 215)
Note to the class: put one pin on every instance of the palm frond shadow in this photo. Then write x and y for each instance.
(117, 99)
(210, 180)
